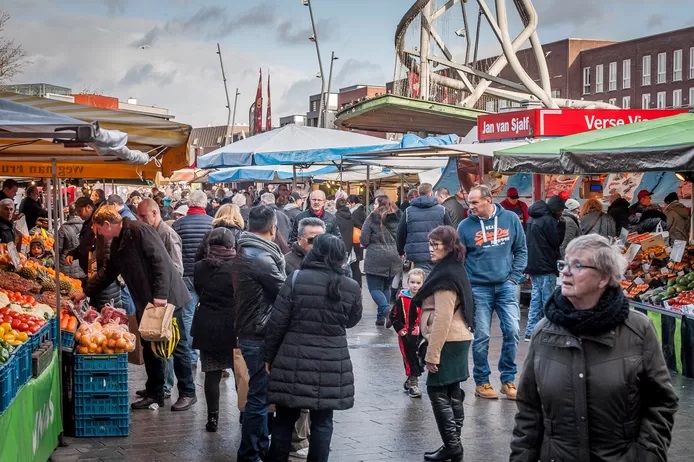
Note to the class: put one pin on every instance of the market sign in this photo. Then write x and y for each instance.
(536, 123)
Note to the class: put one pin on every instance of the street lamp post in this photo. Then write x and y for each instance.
(333, 58)
(233, 118)
(314, 39)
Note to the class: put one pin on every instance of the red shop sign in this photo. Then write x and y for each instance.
(535, 123)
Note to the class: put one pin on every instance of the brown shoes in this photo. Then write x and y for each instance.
(486, 391)
(509, 389)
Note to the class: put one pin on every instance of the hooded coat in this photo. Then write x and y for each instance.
(677, 221)
(306, 342)
(543, 239)
(378, 238)
(619, 211)
(346, 224)
(68, 240)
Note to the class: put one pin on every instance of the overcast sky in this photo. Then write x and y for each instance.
(95, 45)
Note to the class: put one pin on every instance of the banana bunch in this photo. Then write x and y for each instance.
(165, 349)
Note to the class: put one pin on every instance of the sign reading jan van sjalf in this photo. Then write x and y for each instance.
(535, 123)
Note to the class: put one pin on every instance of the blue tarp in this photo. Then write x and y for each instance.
(414, 141)
(279, 173)
(20, 117)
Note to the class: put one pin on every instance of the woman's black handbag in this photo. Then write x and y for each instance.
(422, 345)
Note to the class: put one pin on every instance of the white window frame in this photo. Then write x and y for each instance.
(626, 102)
(677, 65)
(661, 100)
(646, 68)
(646, 101)
(676, 98)
(612, 101)
(490, 106)
(691, 62)
(586, 80)
(599, 78)
(691, 97)
(662, 68)
(626, 74)
(556, 94)
(612, 76)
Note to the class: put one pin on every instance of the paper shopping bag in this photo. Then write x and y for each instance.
(155, 325)
(242, 378)
(135, 356)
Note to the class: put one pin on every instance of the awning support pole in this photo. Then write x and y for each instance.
(368, 177)
(293, 177)
(56, 205)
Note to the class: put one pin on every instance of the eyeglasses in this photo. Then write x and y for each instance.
(435, 245)
(317, 200)
(310, 240)
(561, 265)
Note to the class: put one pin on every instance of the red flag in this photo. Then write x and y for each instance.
(413, 78)
(268, 116)
(258, 123)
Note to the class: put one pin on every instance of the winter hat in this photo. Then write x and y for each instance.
(643, 193)
(572, 204)
(512, 193)
(556, 203)
(672, 197)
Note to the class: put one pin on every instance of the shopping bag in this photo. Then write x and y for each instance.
(135, 356)
(242, 378)
(155, 325)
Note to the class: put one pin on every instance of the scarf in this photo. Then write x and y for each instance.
(196, 211)
(248, 239)
(219, 252)
(449, 274)
(611, 311)
(319, 214)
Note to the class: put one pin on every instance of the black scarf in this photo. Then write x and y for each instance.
(611, 311)
(449, 274)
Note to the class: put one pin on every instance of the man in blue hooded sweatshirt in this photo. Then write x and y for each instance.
(496, 259)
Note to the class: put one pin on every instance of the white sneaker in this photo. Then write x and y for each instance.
(300, 454)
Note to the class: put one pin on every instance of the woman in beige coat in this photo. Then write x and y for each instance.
(447, 322)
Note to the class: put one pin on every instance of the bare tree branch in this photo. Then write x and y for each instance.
(12, 56)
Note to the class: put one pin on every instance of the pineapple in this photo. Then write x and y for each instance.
(28, 273)
(65, 286)
(48, 284)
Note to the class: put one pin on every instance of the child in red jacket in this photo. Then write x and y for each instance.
(405, 317)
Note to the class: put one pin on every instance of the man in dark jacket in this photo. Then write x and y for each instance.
(284, 223)
(192, 228)
(423, 215)
(309, 228)
(619, 211)
(317, 210)
(139, 256)
(68, 240)
(544, 237)
(31, 207)
(9, 189)
(258, 276)
(7, 232)
(455, 210)
(358, 217)
(294, 207)
(117, 201)
(513, 204)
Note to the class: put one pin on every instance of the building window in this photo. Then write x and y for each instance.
(676, 65)
(556, 93)
(503, 104)
(661, 100)
(626, 74)
(599, 75)
(646, 101)
(612, 77)
(646, 70)
(490, 106)
(626, 102)
(586, 80)
(691, 63)
(676, 98)
(612, 101)
(662, 65)
(691, 97)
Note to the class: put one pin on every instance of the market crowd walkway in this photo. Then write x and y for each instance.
(384, 425)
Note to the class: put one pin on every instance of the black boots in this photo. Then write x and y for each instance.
(447, 404)
(212, 421)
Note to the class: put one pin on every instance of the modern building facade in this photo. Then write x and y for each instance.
(296, 119)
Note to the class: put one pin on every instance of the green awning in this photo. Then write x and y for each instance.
(664, 144)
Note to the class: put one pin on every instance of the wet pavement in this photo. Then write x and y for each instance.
(384, 425)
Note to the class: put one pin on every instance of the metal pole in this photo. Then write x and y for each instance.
(49, 201)
(233, 118)
(251, 119)
(226, 91)
(56, 251)
(321, 121)
(424, 52)
(330, 83)
(293, 177)
(368, 177)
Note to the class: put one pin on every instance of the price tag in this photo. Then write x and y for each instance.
(638, 281)
(623, 237)
(664, 270)
(632, 251)
(678, 251)
(14, 256)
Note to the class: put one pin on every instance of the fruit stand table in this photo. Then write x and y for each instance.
(29, 428)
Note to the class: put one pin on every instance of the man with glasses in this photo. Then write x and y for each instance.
(316, 209)
(496, 259)
(309, 228)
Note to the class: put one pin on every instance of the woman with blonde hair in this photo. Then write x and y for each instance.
(227, 216)
(595, 221)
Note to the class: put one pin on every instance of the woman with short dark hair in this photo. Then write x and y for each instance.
(595, 385)
(306, 351)
(448, 317)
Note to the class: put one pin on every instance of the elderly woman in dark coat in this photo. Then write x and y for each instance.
(306, 351)
(213, 322)
(595, 385)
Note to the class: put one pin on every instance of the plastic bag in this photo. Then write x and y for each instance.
(113, 338)
(110, 314)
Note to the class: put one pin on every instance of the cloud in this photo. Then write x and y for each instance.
(355, 71)
(288, 34)
(148, 40)
(116, 7)
(655, 20)
(141, 73)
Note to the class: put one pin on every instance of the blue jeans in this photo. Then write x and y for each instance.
(169, 375)
(379, 288)
(127, 301)
(502, 299)
(543, 287)
(320, 436)
(254, 433)
(188, 313)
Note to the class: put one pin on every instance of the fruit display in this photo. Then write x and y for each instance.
(19, 322)
(48, 241)
(93, 338)
(49, 298)
(115, 315)
(5, 351)
(68, 322)
(16, 283)
(18, 298)
(45, 276)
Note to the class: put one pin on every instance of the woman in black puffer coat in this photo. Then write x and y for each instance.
(213, 323)
(306, 351)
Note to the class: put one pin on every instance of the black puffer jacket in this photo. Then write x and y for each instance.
(619, 211)
(382, 258)
(213, 323)
(601, 397)
(306, 342)
(192, 229)
(327, 217)
(543, 240)
(257, 277)
(346, 225)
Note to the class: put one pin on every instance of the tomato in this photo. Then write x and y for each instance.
(23, 327)
(34, 329)
(15, 323)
